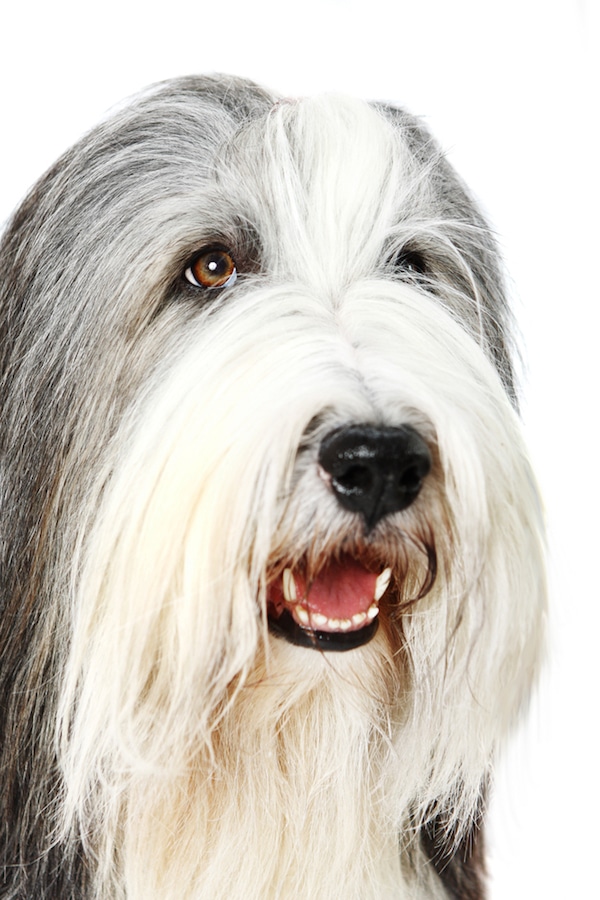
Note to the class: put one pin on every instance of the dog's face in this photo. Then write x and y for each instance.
(275, 346)
(259, 402)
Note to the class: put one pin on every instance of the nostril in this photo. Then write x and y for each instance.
(375, 471)
(411, 478)
(355, 480)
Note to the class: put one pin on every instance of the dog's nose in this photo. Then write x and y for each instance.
(375, 471)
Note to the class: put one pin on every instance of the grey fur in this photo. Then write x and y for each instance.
(70, 364)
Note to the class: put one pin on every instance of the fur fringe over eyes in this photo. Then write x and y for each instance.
(271, 549)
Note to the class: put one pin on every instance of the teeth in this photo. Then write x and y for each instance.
(289, 586)
(318, 620)
(382, 583)
(303, 616)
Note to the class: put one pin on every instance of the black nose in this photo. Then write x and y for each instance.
(375, 471)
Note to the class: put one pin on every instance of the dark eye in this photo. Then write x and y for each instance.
(212, 267)
(410, 261)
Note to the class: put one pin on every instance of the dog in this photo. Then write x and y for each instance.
(272, 555)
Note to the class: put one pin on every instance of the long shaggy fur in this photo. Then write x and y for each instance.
(159, 467)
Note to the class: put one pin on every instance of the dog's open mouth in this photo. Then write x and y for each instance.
(336, 609)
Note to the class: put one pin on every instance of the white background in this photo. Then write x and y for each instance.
(510, 87)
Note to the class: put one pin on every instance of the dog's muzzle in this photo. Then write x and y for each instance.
(373, 472)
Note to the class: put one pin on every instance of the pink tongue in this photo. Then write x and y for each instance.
(340, 590)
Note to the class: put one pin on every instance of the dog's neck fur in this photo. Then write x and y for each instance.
(292, 799)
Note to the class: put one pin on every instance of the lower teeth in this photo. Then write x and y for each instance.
(318, 621)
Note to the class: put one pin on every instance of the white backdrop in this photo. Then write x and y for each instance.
(510, 87)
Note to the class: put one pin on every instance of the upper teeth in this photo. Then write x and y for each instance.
(289, 586)
(381, 584)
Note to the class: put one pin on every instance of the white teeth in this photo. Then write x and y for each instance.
(289, 586)
(303, 616)
(382, 583)
(318, 620)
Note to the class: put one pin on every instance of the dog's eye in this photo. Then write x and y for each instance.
(212, 267)
(410, 261)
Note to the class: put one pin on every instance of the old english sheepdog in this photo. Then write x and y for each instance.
(271, 548)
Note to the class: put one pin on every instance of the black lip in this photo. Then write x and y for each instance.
(285, 626)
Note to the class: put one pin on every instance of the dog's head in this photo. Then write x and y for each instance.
(258, 393)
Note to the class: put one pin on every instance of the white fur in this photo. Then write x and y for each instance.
(212, 759)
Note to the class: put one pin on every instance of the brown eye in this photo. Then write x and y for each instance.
(212, 268)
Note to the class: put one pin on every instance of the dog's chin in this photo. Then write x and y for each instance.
(285, 626)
